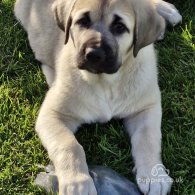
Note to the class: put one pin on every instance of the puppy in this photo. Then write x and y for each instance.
(100, 63)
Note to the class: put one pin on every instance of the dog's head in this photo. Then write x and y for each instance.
(104, 32)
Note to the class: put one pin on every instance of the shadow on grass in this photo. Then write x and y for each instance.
(18, 67)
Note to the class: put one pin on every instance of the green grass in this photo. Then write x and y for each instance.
(22, 89)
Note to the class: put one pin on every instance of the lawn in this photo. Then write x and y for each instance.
(23, 86)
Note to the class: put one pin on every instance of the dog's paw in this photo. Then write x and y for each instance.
(77, 184)
(154, 181)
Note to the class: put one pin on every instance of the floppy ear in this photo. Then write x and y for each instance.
(62, 13)
(148, 25)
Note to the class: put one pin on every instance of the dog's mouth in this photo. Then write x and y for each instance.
(99, 69)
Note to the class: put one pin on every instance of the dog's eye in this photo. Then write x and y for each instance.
(118, 28)
(84, 22)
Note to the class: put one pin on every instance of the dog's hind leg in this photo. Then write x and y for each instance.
(49, 73)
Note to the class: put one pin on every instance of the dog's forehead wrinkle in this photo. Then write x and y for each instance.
(96, 5)
(101, 28)
(98, 9)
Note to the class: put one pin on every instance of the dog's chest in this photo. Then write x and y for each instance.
(109, 102)
(120, 101)
(116, 96)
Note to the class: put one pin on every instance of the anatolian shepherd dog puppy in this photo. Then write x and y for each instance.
(100, 63)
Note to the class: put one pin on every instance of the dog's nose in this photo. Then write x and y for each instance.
(95, 55)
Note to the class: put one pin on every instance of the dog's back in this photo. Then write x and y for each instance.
(37, 19)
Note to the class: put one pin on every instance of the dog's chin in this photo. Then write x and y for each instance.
(100, 71)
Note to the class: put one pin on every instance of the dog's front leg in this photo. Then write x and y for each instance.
(56, 133)
(144, 129)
